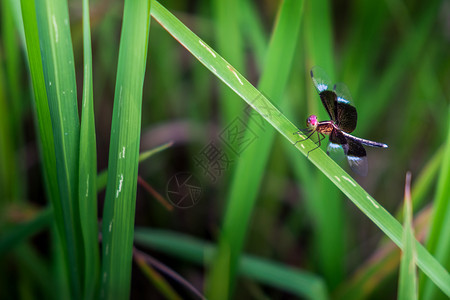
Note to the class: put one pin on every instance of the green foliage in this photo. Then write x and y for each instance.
(269, 223)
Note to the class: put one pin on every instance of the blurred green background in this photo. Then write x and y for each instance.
(394, 57)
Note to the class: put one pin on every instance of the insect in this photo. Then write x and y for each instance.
(337, 101)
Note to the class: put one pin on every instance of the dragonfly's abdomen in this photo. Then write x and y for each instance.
(366, 142)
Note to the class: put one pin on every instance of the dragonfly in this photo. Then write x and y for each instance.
(338, 103)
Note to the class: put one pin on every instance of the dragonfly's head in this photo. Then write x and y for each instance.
(312, 122)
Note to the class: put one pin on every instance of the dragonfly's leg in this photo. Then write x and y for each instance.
(319, 143)
(304, 130)
(320, 138)
(323, 136)
(305, 138)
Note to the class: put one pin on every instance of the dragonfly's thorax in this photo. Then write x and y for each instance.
(326, 127)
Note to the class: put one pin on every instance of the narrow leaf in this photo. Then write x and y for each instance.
(439, 236)
(120, 201)
(47, 28)
(88, 170)
(407, 289)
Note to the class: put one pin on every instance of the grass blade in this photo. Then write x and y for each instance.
(407, 289)
(12, 188)
(54, 86)
(319, 35)
(42, 111)
(7, 164)
(120, 201)
(439, 238)
(59, 74)
(87, 189)
(230, 44)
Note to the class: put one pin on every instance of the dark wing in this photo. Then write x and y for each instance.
(329, 102)
(353, 149)
(337, 141)
(347, 116)
(324, 88)
(356, 156)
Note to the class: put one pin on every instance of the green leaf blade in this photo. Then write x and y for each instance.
(119, 208)
(439, 236)
(407, 289)
(87, 189)
(54, 83)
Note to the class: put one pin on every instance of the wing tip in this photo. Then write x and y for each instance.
(359, 165)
